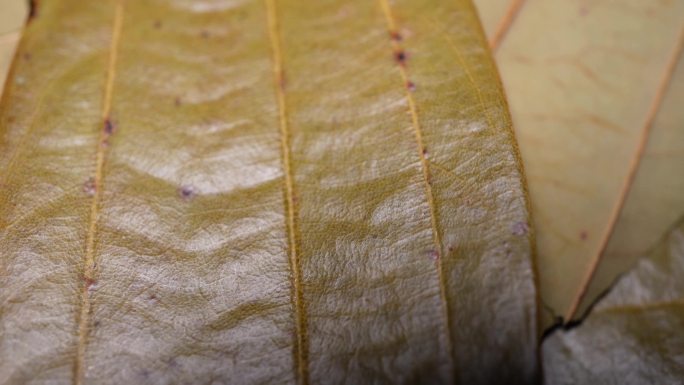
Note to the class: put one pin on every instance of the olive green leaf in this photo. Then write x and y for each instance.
(275, 191)
(633, 336)
(595, 90)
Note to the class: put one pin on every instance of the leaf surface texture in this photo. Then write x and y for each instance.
(261, 192)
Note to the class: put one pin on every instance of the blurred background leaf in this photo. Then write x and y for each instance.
(595, 91)
(12, 17)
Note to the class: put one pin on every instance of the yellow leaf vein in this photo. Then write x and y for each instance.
(301, 353)
(89, 259)
(394, 32)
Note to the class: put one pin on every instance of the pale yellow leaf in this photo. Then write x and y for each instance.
(8, 44)
(593, 88)
(12, 17)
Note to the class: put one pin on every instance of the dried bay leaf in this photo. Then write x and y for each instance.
(594, 89)
(261, 192)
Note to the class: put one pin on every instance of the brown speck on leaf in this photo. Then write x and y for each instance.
(157, 24)
(400, 57)
(96, 323)
(186, 192)
(177, 102)
(520, 228)
(26, 56)
(89, 187)
(33, 10)
(395, 35)
(90, 283)
(108, 126)
(425, 152)
(584, 235)
(411, 86)
(204, 34)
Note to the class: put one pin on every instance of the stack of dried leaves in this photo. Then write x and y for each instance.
(330, 192)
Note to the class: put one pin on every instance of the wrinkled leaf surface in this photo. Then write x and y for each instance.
(261, 192)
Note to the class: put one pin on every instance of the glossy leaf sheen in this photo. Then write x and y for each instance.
(633, 336)
(261, 192)
(595, 91)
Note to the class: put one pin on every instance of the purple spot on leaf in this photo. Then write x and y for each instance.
(186, 192)
(520, 228)
(89, 187)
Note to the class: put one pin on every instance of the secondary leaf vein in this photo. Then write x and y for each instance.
(301, 353)
(89, 258)
(394, 31)
(505, 24)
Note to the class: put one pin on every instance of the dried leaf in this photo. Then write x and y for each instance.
(594, 89)
(634, 335)
(274, 191)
